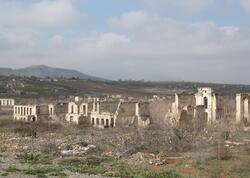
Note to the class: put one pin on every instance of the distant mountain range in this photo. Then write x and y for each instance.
(44, 71)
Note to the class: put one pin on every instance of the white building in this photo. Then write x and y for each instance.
(242, 107)
(103, 119)
(207, 98)
(7, 102)
(203, 103)
(76, 112)
(26, 113)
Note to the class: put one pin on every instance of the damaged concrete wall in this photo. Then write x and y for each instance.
(159, 109)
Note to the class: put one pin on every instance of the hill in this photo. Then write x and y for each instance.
(43, 71)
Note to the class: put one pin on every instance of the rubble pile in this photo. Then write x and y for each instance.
(77, 149)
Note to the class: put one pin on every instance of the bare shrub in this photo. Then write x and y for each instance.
(50, 148)
(247, 149)
(223, 153)
(25, 131)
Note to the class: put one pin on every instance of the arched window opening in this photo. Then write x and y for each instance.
(205, 102)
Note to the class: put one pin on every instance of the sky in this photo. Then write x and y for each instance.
(161, 40)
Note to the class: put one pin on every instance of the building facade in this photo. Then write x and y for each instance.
(7, 102)
(242, 107)
(77, 112)
(27, 113)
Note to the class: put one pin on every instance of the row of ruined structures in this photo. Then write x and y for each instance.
(101, 114)
(204, 105)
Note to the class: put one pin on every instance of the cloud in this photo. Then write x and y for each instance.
(111, 39)
(129, 20)
(165, 36)
(246, 5)
(16, 39)
(57, 39)
(142, 45)
(187, 5)
(46, 13)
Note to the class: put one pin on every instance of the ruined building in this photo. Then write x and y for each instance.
(112, 114)
(58, 111)
(104, 114)
(30, 113)
(242, 107)
(202, 104)
(77, 112)
(7, 102)
(206, 97)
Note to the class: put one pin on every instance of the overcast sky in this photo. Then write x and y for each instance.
(187, 40)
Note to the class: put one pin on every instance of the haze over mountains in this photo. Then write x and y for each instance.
(44, 71)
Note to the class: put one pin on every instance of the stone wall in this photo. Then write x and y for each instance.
(159, 109)
(127, 109)
(226, 107)
(108, 106)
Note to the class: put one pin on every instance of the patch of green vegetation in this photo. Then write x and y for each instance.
(35, 159)
(242, 135)
(3, 130)
(237, 166)
(43, 171)
(39, 172)
(58, 174)
(89, 165)
(119, 169)
(11, 169)
(102, 166)
(215, 166)
(5, 117)
(4, 174)
(243, 172)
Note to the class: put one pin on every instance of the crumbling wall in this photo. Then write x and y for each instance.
(185, 99)
(127, 109)
(43, 113)
(60, 110)
(126, 115)
(200, 117)
(144, 109)
(127, 121)
(226, 107)
(108, 107)
(159, 109)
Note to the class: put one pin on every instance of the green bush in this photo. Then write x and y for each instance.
(34, 159)
(42, 171)
(12, 169)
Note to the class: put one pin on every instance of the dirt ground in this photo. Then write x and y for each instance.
(61, 150)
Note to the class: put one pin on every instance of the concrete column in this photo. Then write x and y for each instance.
(176, 103)
(137, 109)
(238, 108)
(98, 107)
(246, 110)
(93, 107)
